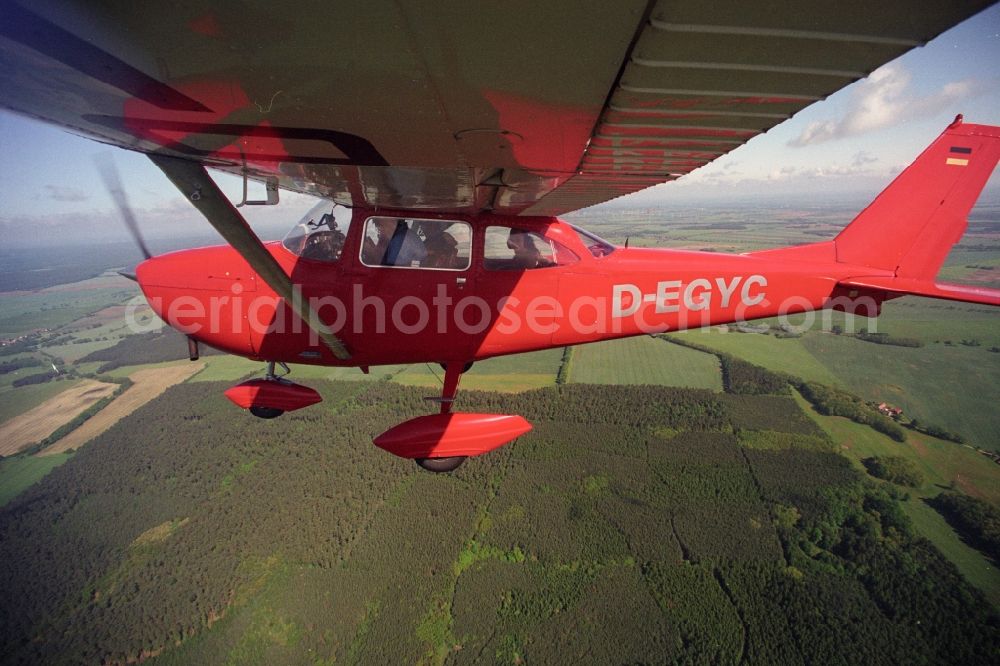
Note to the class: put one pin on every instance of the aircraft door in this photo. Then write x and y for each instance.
(411, 281)
(519, 279)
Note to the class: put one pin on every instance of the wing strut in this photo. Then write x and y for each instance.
(198, 187)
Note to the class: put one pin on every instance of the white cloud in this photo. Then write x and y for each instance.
(883, 99)
(863, 157)
(61, 193)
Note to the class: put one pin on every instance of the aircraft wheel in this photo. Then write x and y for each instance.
(465, 369)
(439, 465)
(266, 412)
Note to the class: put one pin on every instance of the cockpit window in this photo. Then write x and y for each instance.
(321, 233)
(597, 246)
(405, 243)
(516, 249)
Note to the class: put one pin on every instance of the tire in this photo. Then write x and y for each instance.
(440, 465)
(465, 368)
(266, 412)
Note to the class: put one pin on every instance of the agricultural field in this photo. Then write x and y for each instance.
(940, 322)
(14, 402)
(749, 228)
(146, 385)
(38, 423)
(952, 386)
(943, 465)
(636, 512)
(22, 472)
(778, 354)
(518, 372)
(725, 527)
(717, 229)
(644, 360)
(61, 305)
(224, 367)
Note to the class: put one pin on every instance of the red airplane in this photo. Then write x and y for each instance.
(444, 157)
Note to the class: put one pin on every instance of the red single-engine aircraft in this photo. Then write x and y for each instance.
(445, 138)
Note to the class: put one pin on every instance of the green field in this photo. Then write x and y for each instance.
(926, 319)
(15, 401)
(59, 306)
(73, 351)
(18, 473)
(224, 368)
(953, 387)
(937, 321)
(977, 568)
(981, 265)
(942, 464)
(630, 526)
(726, 229)
(633, 524)
(782, 355)
(644, 360)
(8, 379)
(517, 372)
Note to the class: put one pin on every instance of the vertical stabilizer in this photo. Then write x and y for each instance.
(912, 225)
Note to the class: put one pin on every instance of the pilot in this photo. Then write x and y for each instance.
(526, 253)
(323, 245)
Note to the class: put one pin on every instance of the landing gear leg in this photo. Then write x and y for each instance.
(452, 373)
(269, 373)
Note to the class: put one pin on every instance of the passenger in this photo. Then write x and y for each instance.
(373, 251)
(442, 249)
(405, 247)
(526, 253)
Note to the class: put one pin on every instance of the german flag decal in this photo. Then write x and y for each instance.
(958, 161)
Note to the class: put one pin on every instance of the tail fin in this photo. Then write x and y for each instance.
(911, 226)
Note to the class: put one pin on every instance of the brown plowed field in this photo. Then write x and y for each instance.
(40, 422)
(147, 384)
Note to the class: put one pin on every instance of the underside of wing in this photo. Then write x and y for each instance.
(520, 107)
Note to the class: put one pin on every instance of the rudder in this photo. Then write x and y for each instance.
(912, 225)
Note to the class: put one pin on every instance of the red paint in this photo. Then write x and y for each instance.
(274, 393)
(192, 131)
(894, 247)
(446, 435)
(679, 132)
(206, 24)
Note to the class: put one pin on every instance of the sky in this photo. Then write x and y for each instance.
(847, 147)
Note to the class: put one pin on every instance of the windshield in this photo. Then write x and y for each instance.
(597, 245)
(320, 234)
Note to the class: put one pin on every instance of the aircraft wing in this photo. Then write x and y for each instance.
(521, 107)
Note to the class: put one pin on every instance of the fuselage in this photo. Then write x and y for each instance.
(484, 304)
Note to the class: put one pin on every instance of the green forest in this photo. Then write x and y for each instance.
(738, 520)
(635, 524)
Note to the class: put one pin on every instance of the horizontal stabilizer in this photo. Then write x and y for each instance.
(915, 287)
